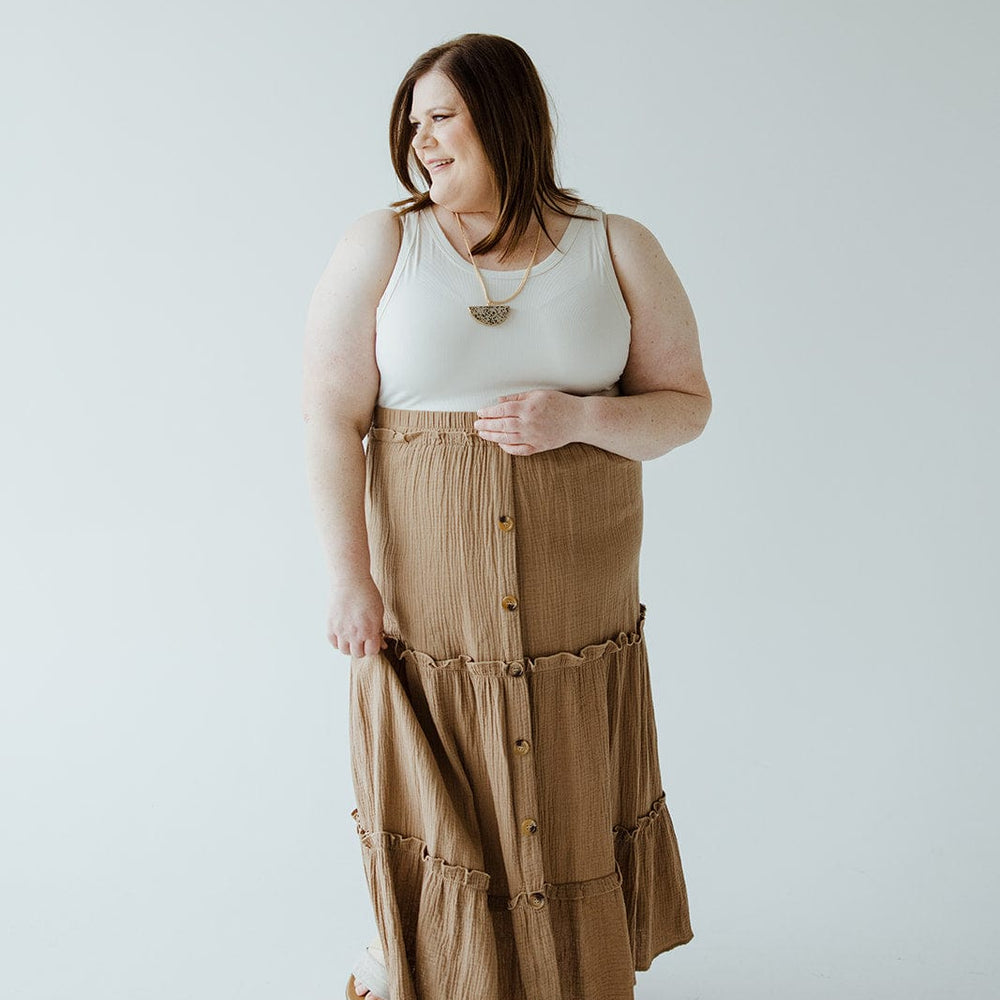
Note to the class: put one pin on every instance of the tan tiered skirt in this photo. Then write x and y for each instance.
(510, 807)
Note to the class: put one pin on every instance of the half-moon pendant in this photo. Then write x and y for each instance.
(491, 315)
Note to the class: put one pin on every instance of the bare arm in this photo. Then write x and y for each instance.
(340, 388)
(666, 401)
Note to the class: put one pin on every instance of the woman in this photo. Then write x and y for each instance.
(512, 355)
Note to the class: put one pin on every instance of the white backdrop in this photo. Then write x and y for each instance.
(820, 566)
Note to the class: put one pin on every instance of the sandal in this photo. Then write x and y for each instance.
(370, 970)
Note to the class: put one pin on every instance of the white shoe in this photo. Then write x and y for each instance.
(369, 970)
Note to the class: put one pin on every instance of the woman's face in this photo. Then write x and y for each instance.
(443, 131)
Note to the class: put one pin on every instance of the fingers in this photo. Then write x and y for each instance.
(373, 646)
(497, 425)
(368, 646)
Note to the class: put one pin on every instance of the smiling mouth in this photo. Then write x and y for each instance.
(435, 167)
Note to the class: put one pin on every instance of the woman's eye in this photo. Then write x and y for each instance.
(433, 118)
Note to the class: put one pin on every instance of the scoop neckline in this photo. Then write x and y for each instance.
(556, 255)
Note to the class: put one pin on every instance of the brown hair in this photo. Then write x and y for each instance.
(509, 108)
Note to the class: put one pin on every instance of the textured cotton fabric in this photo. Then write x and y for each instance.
(511, 811)
(568, 329)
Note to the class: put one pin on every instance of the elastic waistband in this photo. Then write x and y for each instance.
(416, 420)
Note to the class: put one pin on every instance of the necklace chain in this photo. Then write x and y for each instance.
(497, 302)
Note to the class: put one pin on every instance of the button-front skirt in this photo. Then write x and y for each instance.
(510, 806)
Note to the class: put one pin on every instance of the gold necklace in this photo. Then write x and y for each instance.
(495, 311)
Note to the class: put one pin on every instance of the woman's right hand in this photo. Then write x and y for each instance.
(354, 617)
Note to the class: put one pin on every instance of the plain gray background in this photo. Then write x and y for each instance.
(820, 566)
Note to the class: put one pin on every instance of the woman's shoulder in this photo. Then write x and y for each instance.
(645, 272)
(379, 227)
(372, 241)
(633, 244)
(364, 257)
(628, 239)
(622, 230)
(625, 229)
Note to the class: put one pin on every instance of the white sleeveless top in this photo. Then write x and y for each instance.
(569, 329)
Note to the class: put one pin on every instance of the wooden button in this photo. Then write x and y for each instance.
(522, 746)
(506, 522)
(528, 825)
(510, 603)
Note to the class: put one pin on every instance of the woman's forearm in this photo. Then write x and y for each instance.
(645, 425)
(335, 468)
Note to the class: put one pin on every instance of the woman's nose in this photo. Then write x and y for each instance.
(420, 136)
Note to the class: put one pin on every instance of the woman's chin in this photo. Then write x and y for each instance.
(438, 189)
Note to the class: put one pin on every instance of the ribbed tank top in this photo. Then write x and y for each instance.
(569, 329)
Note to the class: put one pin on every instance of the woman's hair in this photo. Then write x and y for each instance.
(510, 111)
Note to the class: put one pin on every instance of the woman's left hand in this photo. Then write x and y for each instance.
(536, 420)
